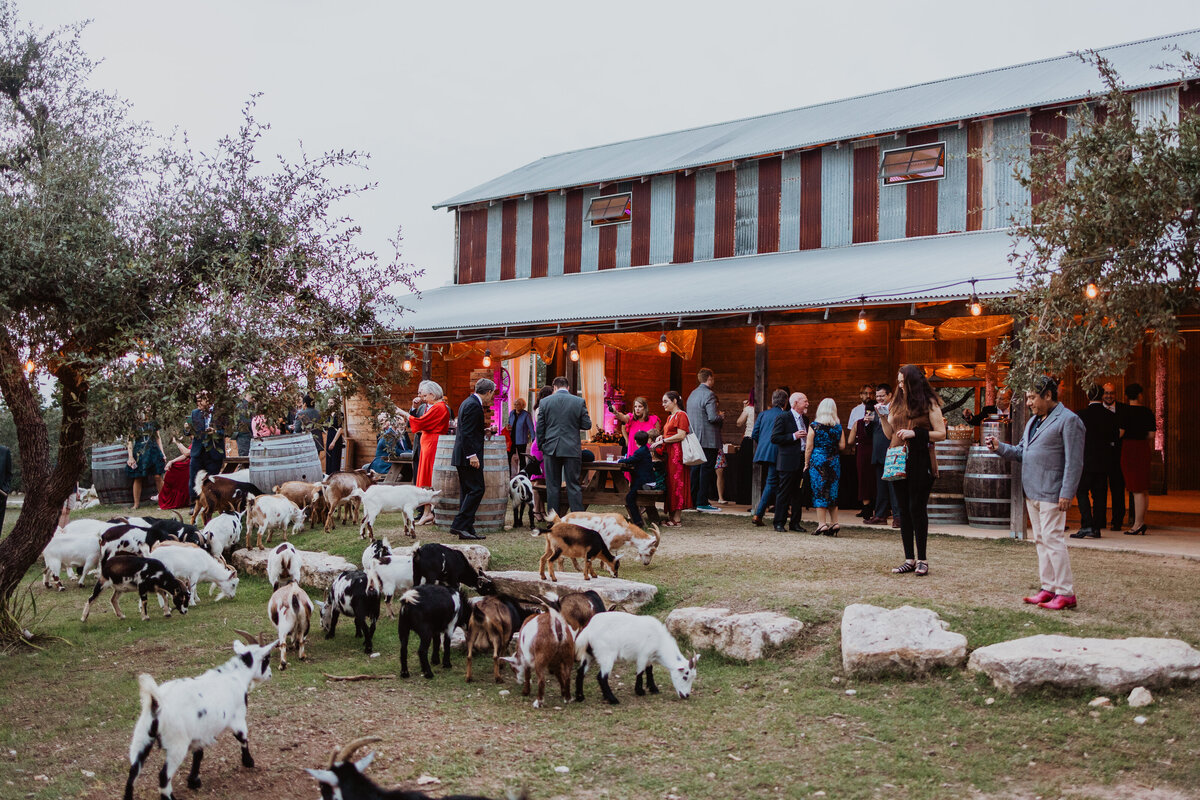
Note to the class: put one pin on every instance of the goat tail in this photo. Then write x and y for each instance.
(582, 648)
(559, 628)
(357, 492)
(148, 689)
(411, 597)
(199, 485)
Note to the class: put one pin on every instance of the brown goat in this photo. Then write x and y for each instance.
(545, 646)
(491, 627)
(306, 495)
(578, 608)
(215, 495)
(336, 490)
(572, 541)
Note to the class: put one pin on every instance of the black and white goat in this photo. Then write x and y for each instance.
(617, 635)
(520, 491)
(343, 779)
(126, 573)
(432, 612)
(395, 570)
(356, 593)
(223, 532)
(189, 713)
(437, 563)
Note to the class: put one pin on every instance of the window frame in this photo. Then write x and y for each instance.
(625, 219)
(906, 182)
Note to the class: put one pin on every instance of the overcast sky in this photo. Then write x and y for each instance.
(447, 95)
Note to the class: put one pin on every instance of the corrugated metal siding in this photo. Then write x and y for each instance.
(606, 257)
(789, 203)
(624, 237)
(590, 256)
(1045, 129)
(685, 218)
(508, 241)
(573, 233)
(836, 195)
(920, 213)
(769, 175)
(556, 228)
(706, 214)
(725, 217)
(745, 225)
(495, 229)
(892, 199)
(464, 222)
(952, 190)
(1152, 106)
(864, 222)
(524, 238)
(810, 199)
(639, 250)
(1005, 200)
(974, 176)
(540, 237)
(662, 218)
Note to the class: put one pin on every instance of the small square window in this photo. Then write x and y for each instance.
(925, 162)
(611, 209)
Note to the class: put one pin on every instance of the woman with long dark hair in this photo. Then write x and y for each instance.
(915, 421)
(1137, 425)
(675, 430)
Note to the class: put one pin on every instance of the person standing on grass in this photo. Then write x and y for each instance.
(1051, 456)
(208, 441)
(706, 418)
(467, 457)
(560, 418)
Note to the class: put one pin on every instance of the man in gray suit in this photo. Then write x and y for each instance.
(560, 418)
(1051, 456)
(705, 420)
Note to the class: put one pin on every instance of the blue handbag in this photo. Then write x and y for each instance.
(896, 464)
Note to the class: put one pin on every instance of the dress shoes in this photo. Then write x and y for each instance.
(796, 528)
(1059, 602)
(1044, 596)
(895, 523)
(1086, 533)
(875, 521)
(467, 535)
(780, 528)
(757, 520)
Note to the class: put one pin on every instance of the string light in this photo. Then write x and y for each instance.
(662, 344)
(30, 366)
(407, 365)
(760, 334)
(1092, 291)
(574, 352)
(974, 304)
(487, 357)
(862, 315)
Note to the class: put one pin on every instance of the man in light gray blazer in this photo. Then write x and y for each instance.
(560, 418)
(705, 419)
(1051, 456)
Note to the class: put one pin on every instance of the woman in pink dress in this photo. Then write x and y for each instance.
(679, 482)
(639, 420)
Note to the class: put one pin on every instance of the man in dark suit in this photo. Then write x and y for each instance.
(885, 491)
(789, 434)
(560, 418)
(5, 481)
(1116, 478)
(467, 457)
(208, 441)
(1100, 438)
(765, 452)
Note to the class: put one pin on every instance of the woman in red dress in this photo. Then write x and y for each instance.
(174, 492)
(679, 491)
(431, 425)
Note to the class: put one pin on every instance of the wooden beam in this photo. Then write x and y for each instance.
(760, 405)
(426, 363)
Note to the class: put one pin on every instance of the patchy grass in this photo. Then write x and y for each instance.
(782, 727)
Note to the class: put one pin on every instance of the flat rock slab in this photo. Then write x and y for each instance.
(477, 555)
(1071, 662)
(903, 640)
(628, 595)
(742, 636)
(317, 570)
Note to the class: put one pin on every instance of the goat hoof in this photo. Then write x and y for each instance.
(404, 673)
(640, 692)
(612, 701)
(193, 783)
(247, 761)
(428, 675)
(654, 690)
(579, 698)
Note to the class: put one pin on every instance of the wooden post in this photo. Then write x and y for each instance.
(990, 374)
(760, 405)
(426, 363)
(572, 371)
(1018, 418)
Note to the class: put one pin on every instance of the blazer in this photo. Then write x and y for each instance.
(200, 441)
(764, 425)
(521, 426)
(5, 470)
(1051, 459)
(704, 417)
(791, 450)
(469, 441)
(1101, 434)
(560, 418)
(640, 466)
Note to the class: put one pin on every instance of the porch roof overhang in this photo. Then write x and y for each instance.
(893, 273)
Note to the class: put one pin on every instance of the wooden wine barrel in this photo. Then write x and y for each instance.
(112, 482)
(987, 488)
(952, 465)
(947, 509)
(290, 457)
(493, 506)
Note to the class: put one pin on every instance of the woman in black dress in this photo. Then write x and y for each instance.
(145, 458)
(1137, 423)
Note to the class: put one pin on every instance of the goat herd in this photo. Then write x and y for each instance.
(170, 558)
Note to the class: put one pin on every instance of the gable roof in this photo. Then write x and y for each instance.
(1047, 82)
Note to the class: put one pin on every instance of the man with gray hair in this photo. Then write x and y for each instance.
(790, 435)
(467, 458)
(560, 418)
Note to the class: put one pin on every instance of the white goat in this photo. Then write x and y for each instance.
(223, 532)
(291, 611)
(395, 571)
(193, 565)
(79, 550)
(383, 497)
(284, 560)
(193, 712)
(616, 635)
(268, 512)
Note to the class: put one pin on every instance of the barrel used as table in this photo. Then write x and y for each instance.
(112, 482)
(987, 487)
(947, 509)
(952, 465)
(290, 457)
(493, 506)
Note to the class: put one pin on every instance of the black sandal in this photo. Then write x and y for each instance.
(922, 568)
(820, 529)
(907, 566)
(832, 530)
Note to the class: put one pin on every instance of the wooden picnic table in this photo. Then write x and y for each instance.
(402, 469)
(234, 463)
(606, 486)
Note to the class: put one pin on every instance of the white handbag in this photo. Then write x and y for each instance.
(693, 453)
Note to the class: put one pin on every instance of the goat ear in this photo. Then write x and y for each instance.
(364, 762)
(323, 776)
(695, 658)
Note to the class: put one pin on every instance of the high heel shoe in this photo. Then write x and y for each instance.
(820, 529)
(1137, 531)
(832, 530)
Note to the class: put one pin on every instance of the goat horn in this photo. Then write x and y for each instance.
(249, 637)
(178, 516)
(347, 751)
(657, 533)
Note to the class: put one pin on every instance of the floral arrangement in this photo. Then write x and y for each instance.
(601, 437)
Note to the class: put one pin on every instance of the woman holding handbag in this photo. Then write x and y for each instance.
(676, 429)
(914, 423)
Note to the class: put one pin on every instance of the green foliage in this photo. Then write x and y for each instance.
(1118, 201)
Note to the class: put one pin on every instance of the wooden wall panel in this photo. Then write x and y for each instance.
(1182, 429)
(921, 205)
(573, 235)
(644, 375)
(540, 261)
(974, 176)
(1046, 127)
(810, 200)
(726, 214)
(769, 186)
(730, 355)
(639, 252)
(608, 247)
(865, 220)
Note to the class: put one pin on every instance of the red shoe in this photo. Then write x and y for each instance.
(1059, 602)
(1041, 597)
(895, 523)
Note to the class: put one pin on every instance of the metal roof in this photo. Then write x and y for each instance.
(1039, 83)
(898, 271)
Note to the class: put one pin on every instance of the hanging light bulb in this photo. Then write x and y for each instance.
(760, 334)
(1092, 291)
(976, 306)
(862, 320)
(574, 353)
(487, 357)
(407, 365)
(30, 366)
(662, 344)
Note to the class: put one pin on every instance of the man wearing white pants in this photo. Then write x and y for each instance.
(1051, 456)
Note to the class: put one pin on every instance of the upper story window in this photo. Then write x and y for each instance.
(925, 162)
(611, 209)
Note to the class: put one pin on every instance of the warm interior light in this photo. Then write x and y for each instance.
(407, 365)
(574, 354)
(760, 334)
(1092, 291)
(487, 357)
(976, 306)
(862, 320)
(662, 344)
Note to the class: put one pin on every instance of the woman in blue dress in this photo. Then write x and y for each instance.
(822, 454)
(145, 457)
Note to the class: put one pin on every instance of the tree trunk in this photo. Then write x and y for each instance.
(45, 489)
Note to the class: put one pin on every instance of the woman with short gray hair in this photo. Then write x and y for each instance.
(431, 425)
(429, 387)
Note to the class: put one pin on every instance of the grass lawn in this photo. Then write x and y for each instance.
(782, 727)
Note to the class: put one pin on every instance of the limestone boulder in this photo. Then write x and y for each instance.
(903, 640)
(527, 586)
(742, 636)
(1073, 662)
(318, 568)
